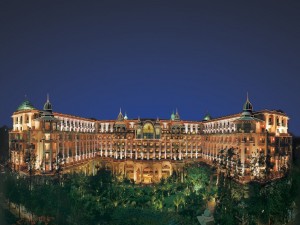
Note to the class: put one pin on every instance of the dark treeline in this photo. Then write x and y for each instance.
(104, 199)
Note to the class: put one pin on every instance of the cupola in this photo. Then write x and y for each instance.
(247, 108)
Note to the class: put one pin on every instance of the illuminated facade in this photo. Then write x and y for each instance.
(248, 145)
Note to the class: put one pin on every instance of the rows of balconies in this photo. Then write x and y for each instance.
(148, 156)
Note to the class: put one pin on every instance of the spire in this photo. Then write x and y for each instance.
(120, 116)
(48, 105)
(177, 117)
(125, 116)
(247, 107)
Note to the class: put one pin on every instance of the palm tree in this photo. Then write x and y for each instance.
(179, 199)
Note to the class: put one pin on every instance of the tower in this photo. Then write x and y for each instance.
(48, 125)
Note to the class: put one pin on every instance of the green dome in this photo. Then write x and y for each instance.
(26, 105)
(207, 117)
(173, 116)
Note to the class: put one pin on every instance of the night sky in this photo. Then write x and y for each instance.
(150, 57)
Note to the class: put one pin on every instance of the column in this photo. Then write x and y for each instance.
(76, 150)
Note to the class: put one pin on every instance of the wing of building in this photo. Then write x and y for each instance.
(247, 145)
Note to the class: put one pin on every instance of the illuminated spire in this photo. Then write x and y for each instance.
(176, 116)
(247, 107)
(120, 116)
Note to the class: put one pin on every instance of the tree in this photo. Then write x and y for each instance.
(178, 200)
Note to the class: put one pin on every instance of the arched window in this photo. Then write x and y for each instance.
(148, 131)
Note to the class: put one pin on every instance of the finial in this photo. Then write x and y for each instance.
(47, 97)
(120, 110)
(176, 111)
(25, 96)
(247, 96)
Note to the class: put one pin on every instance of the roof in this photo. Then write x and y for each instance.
(47, 118)
(248, 118)
(26, 105)
(57, 114)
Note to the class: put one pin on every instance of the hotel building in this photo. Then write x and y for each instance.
(247, 145)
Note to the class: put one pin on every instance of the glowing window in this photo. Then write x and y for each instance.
(148, 131)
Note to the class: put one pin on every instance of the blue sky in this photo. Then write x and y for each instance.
(150, 57)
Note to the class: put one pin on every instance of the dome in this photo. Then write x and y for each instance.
(26, 105)
(172, 116)
(47, 105)
(247, 108)
(207, 117)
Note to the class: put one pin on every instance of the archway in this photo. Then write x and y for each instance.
(148, 131)
(147, 175)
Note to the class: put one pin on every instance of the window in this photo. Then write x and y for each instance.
(139, 133)
(47, 125)
(148, 131)
(270, 121)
